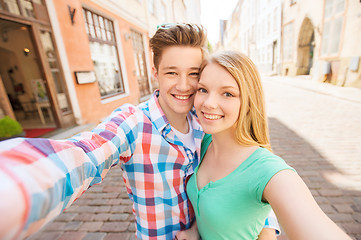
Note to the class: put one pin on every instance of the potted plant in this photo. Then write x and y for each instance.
(10, 128)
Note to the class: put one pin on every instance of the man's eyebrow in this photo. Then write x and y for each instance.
(195, 68)
(175, 67)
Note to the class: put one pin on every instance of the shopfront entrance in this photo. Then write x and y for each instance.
(22, 79)
(32, 89)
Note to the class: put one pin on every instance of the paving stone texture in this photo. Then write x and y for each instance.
(316, 131)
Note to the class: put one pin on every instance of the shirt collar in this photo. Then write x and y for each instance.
(156, 113)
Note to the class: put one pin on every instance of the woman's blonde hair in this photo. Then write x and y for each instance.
(252, 126)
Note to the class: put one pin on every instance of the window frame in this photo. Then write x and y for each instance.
(104, 33)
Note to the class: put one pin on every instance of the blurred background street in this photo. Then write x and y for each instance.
(67, 64)
(316, 131)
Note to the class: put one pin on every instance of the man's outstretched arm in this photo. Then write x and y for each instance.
(39, 178)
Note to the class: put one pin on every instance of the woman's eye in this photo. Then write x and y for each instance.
(202, 90)
(227, 94)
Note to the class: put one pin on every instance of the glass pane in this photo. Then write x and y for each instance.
(86, 22)
(328, 8)
(28, 9)
(12, 6)
(325, 38)
(336, 33)
(102, 27)
(107, 68)
(97, 28)
(340, 5)
(90, 24)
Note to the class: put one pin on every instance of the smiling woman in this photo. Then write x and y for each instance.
(239, 179)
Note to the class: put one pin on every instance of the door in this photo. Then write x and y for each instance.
(22, 77)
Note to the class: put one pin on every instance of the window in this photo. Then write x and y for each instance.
(20, 7)
(332, 28)
(287, 42)
(151, 7)
(104, 53)
(163, 13)
(275, 20)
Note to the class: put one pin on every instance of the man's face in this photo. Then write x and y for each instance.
(178, 75)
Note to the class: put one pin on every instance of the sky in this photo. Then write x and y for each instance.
(211, 12)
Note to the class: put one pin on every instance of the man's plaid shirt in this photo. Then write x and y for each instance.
(51, 174)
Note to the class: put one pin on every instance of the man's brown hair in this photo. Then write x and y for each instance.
(167, 35)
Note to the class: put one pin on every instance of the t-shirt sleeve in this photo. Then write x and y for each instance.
(263, 169)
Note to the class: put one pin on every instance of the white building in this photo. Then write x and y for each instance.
(255, 29)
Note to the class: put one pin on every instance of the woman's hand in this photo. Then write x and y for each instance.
(267, 234)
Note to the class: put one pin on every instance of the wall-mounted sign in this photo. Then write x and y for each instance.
(85, 77)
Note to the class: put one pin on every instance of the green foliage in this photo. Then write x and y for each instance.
(9, 127)
(210, 47)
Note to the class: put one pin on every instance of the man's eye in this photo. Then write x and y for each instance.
(227, 94)
(202, 90)
(194, 74)
(170, 73)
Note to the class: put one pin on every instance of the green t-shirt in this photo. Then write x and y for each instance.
(232, 207)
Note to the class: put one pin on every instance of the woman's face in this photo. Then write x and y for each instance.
(217, 100)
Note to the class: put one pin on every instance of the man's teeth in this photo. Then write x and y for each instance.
(181, 97)
(212, 117)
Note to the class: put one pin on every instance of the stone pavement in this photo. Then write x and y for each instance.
(314, 127)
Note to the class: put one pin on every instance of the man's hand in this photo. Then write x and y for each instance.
(189, 234)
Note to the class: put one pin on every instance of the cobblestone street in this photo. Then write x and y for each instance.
(316, 133)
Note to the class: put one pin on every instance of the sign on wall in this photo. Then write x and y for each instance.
(85, 77)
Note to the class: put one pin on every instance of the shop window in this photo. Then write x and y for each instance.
(332, 28)
(104, 53)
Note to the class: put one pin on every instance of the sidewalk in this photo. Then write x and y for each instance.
(307, 83)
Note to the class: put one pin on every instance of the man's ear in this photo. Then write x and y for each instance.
(155, 73)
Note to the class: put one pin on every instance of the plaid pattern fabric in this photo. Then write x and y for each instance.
(49, 175)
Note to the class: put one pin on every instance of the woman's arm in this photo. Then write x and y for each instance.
(297, 211)
(267, 234)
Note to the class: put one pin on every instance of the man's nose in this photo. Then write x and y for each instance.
(183, 83)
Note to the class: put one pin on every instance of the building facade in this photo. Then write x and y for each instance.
(321, 38)
(74, 61)
(255, 29)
